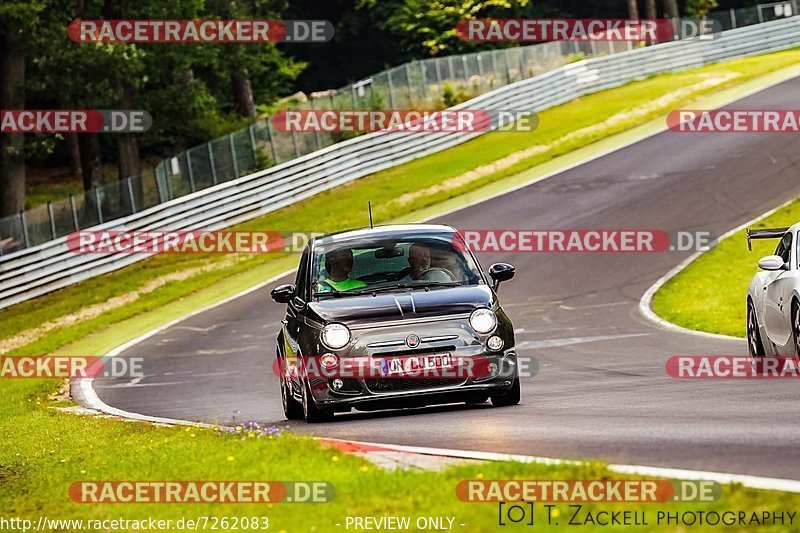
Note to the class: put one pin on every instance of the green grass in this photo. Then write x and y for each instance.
(709, 295)
(54, 184)
(44, 450)
(42, 193)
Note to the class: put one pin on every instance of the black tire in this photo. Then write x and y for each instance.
(510, 397)
(311, 412)
(796, 329)
(793, 362)
(755, 348)
(291, 407)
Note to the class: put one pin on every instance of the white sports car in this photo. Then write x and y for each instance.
(773, 298)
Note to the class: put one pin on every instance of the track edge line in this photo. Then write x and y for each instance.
(646, 301)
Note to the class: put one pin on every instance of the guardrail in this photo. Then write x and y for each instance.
(50, 266)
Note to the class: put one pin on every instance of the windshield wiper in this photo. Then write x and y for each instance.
(375, 290)
(339, 294)
(426, 286)
(432, 284)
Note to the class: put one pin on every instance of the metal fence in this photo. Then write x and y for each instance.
(50, 266)
(429, 84)
(747, 16)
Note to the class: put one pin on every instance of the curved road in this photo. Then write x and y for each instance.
(601, 391)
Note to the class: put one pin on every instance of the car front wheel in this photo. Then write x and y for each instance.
(754, 346)
(796, 331)
(311, 412)
(510, 397)
(291, 408)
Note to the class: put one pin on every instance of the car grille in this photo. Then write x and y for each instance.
(379, 386)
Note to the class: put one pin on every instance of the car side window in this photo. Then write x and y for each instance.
(301, 283)
(784, 249)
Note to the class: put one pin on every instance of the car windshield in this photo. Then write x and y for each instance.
(348, 267)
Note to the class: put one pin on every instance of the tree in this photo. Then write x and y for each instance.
(699, 8)
(127, 76)
(86, 86)
(91, 162)
(16, 22)
(124, 76)
(633, 10)
(650, 11)
(428, 27)
(253, 72)
(671, 9)
(12, 96)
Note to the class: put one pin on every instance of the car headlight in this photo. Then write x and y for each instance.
(482, 320)
(335, 336)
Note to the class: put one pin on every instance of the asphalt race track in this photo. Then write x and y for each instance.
(601, 391)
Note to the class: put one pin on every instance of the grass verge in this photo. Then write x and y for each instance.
(709, 295)
(43, 450)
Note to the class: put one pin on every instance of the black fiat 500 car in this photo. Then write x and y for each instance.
(393, 316)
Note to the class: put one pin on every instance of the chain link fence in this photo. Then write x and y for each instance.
(429, 84)
(101, 204)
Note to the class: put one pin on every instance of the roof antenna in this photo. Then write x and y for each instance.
(369, 206)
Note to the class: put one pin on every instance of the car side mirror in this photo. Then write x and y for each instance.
(772, 262)
(500, 272)
(283, 294)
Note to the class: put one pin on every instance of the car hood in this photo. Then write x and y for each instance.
(404, 304)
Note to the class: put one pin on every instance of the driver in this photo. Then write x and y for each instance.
(338, 265)
(419, 257)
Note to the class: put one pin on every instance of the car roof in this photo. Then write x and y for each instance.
(379, 232)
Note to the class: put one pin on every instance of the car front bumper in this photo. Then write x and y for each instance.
(366, 393)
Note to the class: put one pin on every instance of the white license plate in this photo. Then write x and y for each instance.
(415, 364)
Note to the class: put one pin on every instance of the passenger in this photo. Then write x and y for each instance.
(338, 265)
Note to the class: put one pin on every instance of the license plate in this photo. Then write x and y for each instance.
(415, 364)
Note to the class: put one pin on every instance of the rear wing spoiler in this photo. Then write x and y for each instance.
(768, 233)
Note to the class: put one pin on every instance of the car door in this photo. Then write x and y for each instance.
(294, 320)
(777, 300)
